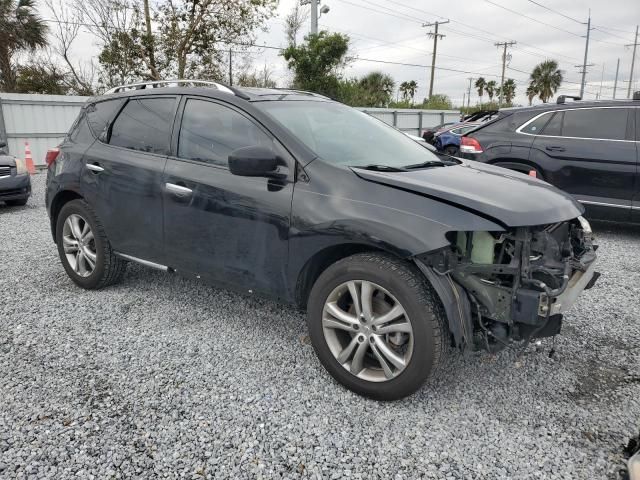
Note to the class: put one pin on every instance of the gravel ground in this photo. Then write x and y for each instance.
(162, 377)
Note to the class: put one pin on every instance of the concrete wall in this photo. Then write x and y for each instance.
(43, 120)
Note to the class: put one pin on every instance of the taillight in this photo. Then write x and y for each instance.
(52, 155)
(470, 145)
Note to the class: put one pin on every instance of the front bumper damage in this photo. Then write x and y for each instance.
(499, 287)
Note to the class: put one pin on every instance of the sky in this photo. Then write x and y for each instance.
(392, 31)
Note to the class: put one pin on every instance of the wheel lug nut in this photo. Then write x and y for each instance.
(372, 339)
(356, 327)
(361, 338)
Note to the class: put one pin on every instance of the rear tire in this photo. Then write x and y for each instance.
(451, 150)
(84, 250)
(17, 203)
(411, 352)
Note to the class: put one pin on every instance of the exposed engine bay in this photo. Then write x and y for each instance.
(499, 287)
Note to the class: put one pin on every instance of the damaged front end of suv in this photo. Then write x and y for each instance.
(512, 285)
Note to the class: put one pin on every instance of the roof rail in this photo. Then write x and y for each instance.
(563, 99)
(170, 83)
(303, 92)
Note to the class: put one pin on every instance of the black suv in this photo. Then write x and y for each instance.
(395, 253)
(588, 149)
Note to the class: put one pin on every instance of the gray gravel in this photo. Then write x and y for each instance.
(162, 377)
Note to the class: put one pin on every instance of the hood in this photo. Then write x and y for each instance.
(511, 198)
(7, 161)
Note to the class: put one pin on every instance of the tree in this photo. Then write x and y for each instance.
(21, 30)
(404, 91)
(412, 88)
(509, 90)
(294, 22)
(257, 78)
(531, 92)
(491, 87)
(480, 85)
(377, 89)
(317, 62)
(41, 77)
(546, 77)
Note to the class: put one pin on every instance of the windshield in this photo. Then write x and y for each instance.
(345, 136)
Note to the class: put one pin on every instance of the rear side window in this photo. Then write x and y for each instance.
(210, 132)
(609, 123)
(100, 114)
(535, 127)
(554, 127)
(145, 125)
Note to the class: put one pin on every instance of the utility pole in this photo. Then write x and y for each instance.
(615, 84)
(633, 61)
(314, 17)
(599, 96)
(230, 67)
(435, 36)
(469, 94)
(586, 53)
(504, 64)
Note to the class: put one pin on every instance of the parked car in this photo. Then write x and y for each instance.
(429, 133)
(15, 182)
(394, 253)
(448, 141)
(588, 149)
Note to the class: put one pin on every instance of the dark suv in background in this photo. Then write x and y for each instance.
(588, 149)
(395, 252)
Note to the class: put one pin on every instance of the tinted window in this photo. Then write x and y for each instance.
(554, 127)
(144, 124)
(535, 127)
(609, 123)
(100, 114)
(80, 131)
(210, 132)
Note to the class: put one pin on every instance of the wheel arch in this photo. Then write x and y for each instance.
(60, 200)
(522, 166)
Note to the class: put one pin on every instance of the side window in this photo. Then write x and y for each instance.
(100, 114)
(609, 123)
(80, 132)
(210, 132)
(554, 127)
(535, 127)
(145, 125)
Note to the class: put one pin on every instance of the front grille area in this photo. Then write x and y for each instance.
(5, 171)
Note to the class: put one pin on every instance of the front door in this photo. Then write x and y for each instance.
(590, 153)
(123, 171)
(231, 229)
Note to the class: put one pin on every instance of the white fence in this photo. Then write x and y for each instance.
(413, 120)
(43, 120)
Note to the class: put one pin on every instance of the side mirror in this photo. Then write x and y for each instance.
(253, 161)
(3, 144)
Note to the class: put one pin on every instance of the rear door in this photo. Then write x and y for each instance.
(233, 230)
(591, 154)
(123, 175)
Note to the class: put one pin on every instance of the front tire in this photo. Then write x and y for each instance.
(376, 325)
(84, 250)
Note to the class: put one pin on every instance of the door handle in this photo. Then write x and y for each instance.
(555, 149)
(94, 167)
(178, 190)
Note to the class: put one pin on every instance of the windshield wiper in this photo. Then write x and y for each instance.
(429, 163)
(381, 168)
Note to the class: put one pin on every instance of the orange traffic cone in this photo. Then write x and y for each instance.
(28, 159)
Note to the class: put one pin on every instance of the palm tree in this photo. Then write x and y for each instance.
(378, 87)
(480, 85)
(412, 88)
(547, 78)
(531, 92)
(509, 90)
(21, 29)
(491, 87)
(404, 90)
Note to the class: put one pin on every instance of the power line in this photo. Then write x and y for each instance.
(556, 12)
(532, 18)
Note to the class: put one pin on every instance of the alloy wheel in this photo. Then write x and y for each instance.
(79, 245)
(367, 330)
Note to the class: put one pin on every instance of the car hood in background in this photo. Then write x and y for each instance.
(512, 198)
(7, 161)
